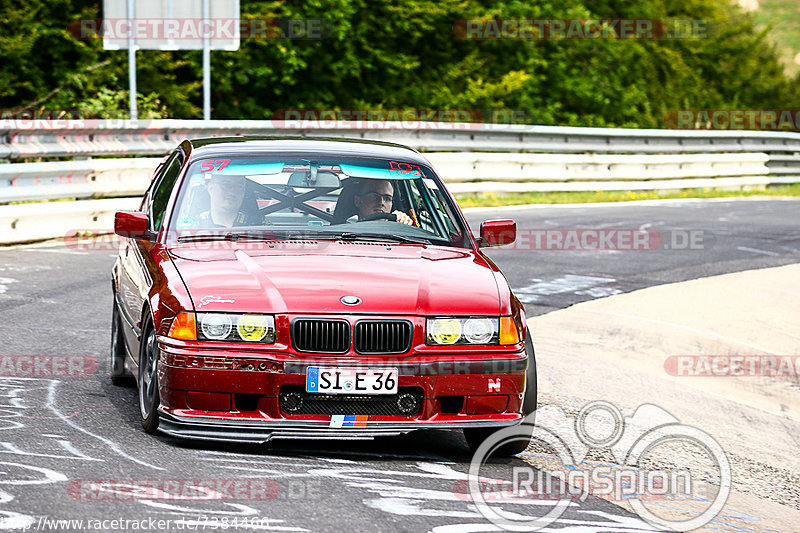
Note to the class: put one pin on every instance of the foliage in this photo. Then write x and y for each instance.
(406, 55)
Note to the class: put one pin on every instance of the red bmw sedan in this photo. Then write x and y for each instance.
(314, 288)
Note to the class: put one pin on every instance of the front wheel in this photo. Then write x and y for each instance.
(476, 436)
(119, 376)
(149, 398)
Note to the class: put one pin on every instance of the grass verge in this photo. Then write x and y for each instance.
(495, 199)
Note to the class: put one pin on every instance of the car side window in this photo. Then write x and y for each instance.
(431, 210)
(163, 189)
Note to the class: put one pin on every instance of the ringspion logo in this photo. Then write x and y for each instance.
(640, 468)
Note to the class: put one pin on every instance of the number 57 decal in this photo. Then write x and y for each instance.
(208, 166)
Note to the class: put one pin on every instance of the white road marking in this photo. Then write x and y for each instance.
(55, 251)
(753, 250)
(12, 520)
(4, 282)
(571, 283)
(8, 447)
(50, 476)
(51, 404)
(24, 268)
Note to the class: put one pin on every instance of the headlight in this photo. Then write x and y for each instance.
(216, 326)
(451, 330)
(252, 328)
(444, 330)
(479, 330)
(236, 328)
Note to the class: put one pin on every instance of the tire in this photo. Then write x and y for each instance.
(119, 376)
(149, 398)
(476, 436)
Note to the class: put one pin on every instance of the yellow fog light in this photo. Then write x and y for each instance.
(253, 328)
(444, 330)
(508, 331)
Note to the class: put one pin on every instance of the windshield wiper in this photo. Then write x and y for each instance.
(264, 235)
(351, 236)
(229, 236)
(273, 235)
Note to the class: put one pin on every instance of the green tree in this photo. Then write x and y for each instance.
(406, 54)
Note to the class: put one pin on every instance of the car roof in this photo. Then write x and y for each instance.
(265, 145)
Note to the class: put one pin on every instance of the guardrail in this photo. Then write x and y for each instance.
(75, 179)
(471, 157)
(82, 138)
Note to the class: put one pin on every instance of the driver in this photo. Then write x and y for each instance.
(226, 203)
(375, 196)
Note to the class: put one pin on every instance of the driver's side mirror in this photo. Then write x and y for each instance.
(132, 224)
(497, 233)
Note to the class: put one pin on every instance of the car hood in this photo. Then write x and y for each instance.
(311, 277)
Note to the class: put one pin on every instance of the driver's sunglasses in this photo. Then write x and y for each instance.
(374, 196)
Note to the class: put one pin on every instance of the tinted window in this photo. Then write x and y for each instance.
(163, 189)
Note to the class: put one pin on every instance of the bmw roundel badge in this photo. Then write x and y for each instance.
(350, 300)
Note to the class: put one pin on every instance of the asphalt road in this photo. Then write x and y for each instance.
(59, 438)
(688, 240)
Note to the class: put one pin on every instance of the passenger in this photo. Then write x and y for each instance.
(226, 204)
(375, 196)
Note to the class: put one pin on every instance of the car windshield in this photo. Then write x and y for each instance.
(321, 197)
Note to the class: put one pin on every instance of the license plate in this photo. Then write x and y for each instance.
(332, 380)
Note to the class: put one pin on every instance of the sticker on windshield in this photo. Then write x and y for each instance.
(430, 183)
(186, 222)
(216, 164)
(406, 168)
(355, 171)
(239, 167)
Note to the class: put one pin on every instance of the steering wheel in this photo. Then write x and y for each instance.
(379, 216)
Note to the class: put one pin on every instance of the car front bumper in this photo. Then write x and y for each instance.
(257, 432)
(244, 405)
